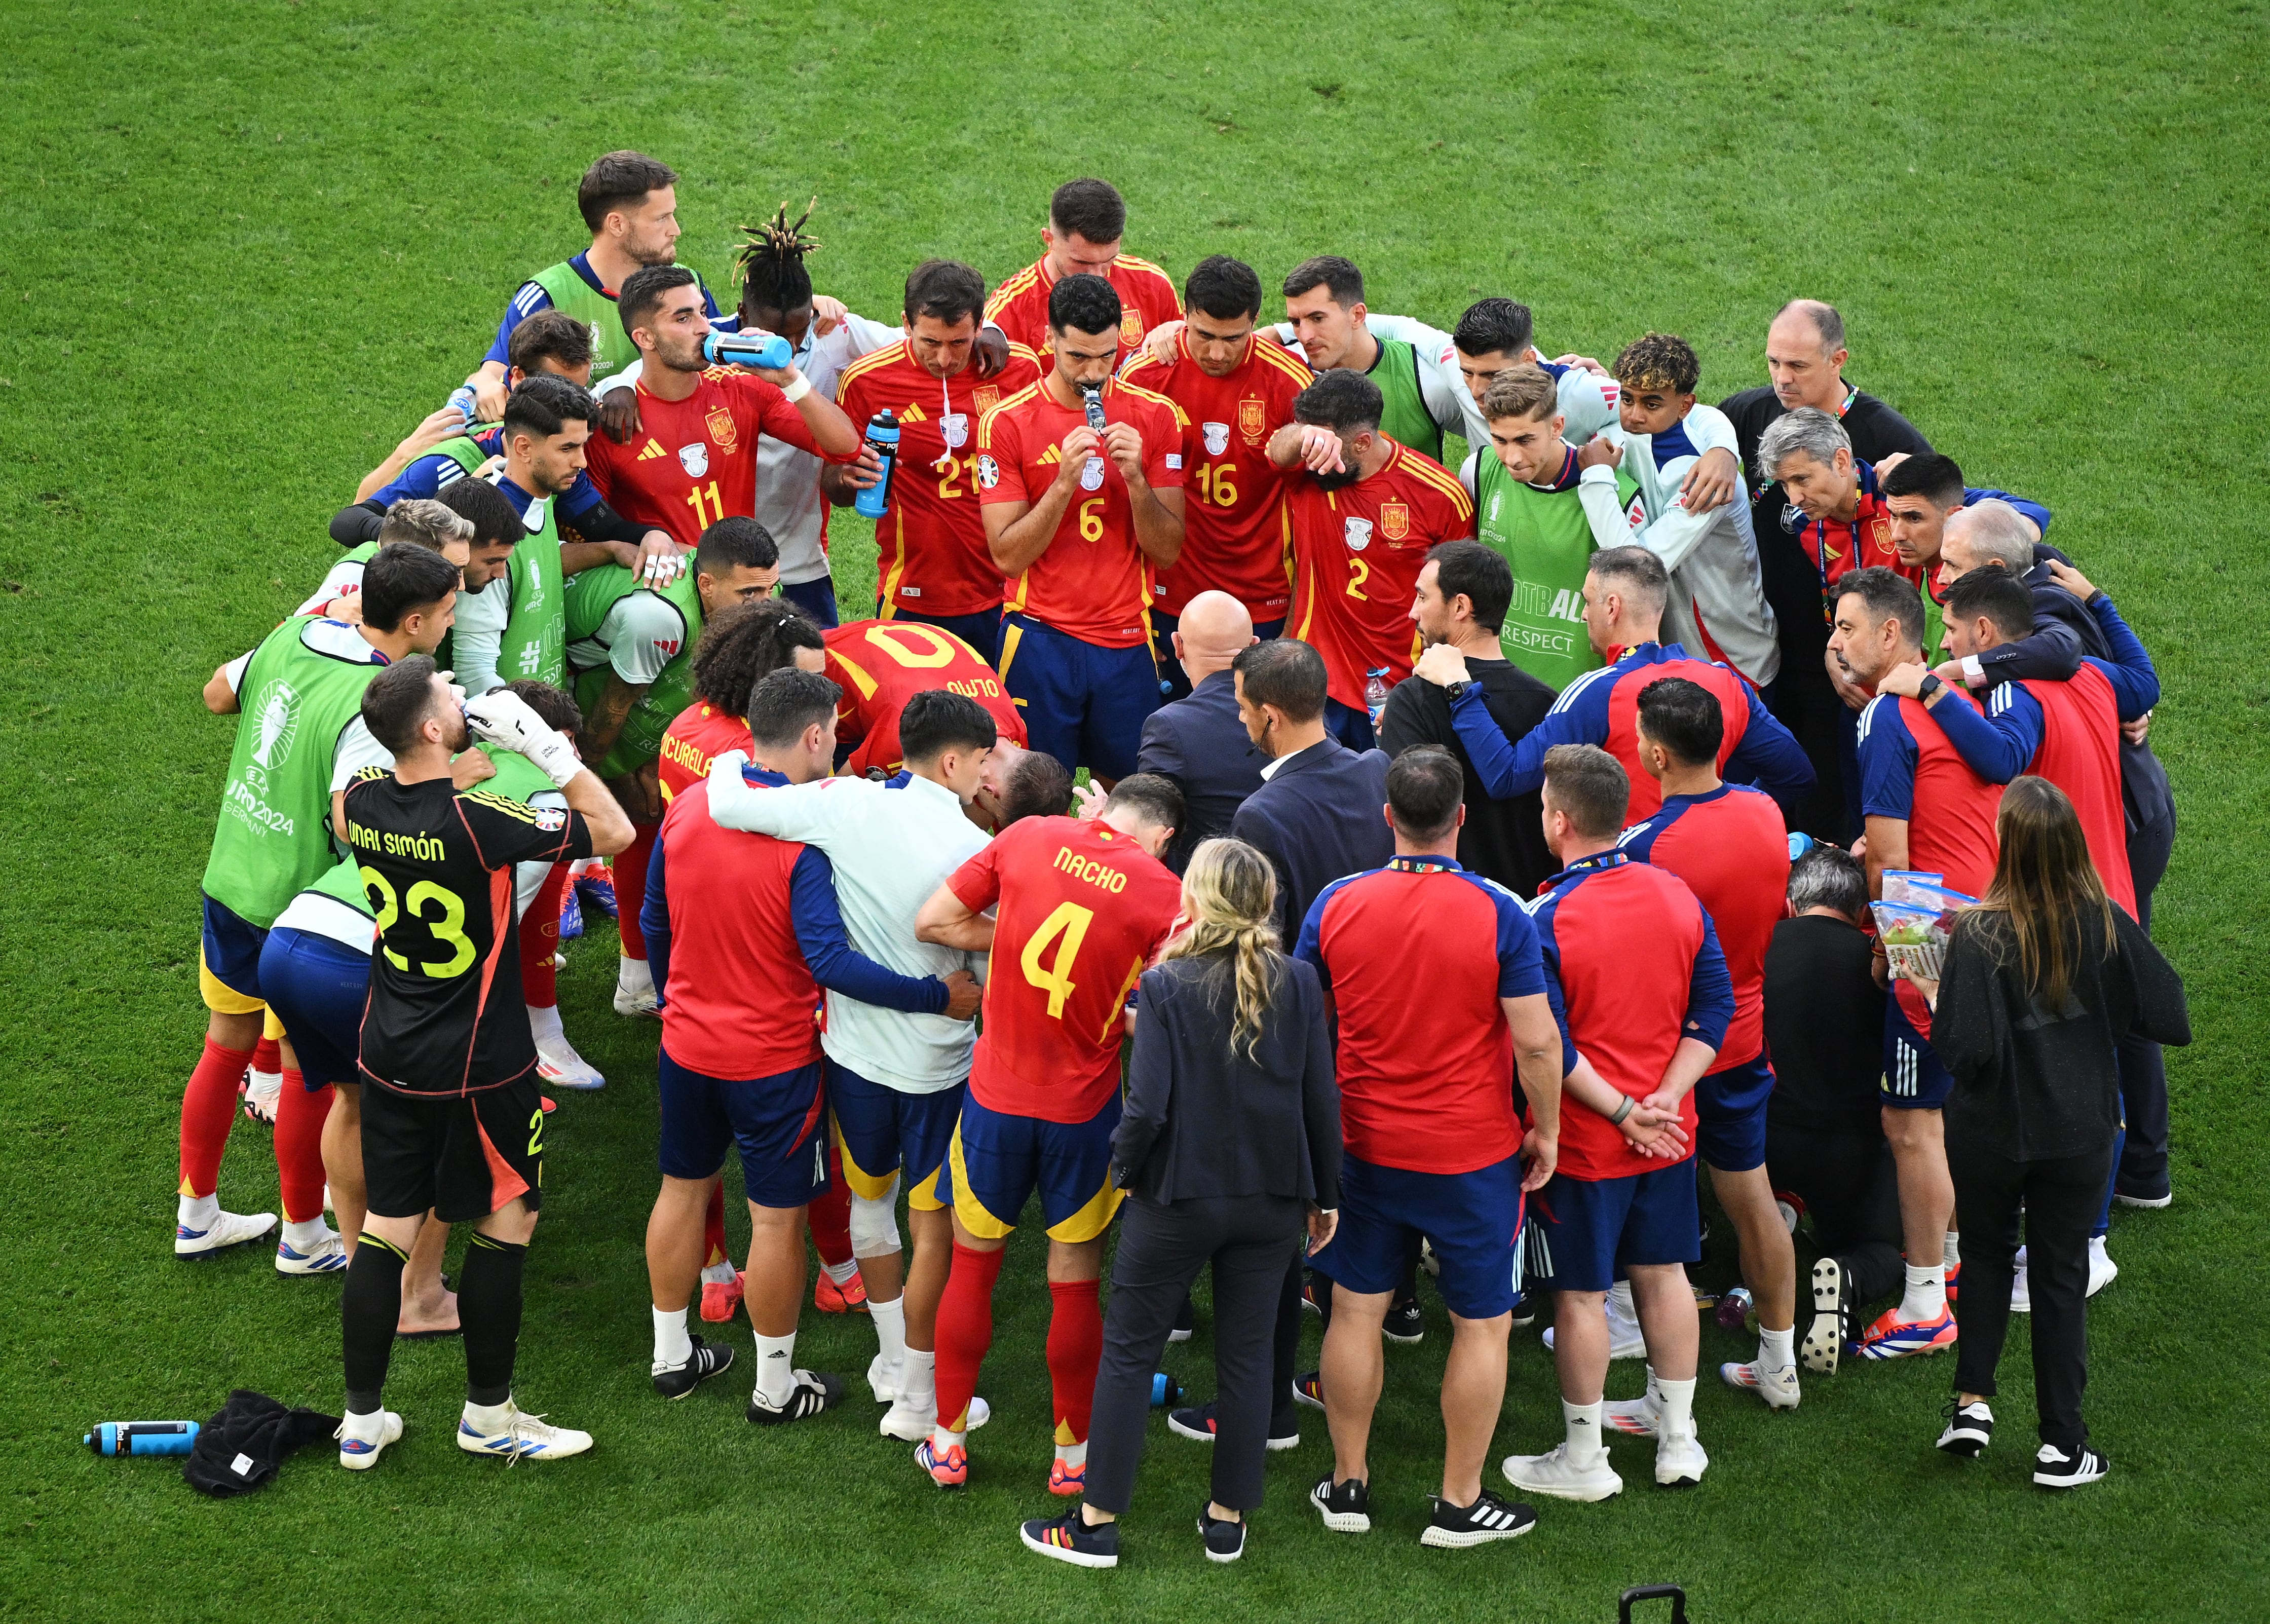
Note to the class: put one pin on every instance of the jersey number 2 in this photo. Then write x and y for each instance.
(1071, 921)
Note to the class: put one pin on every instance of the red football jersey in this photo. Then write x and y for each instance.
(1233, 499)
(1357, 552)
(696, 737)
(1020, 305)
(1839, 546)
(1094, 582)
(1622, 742)
(930, 548)
(696, 461)
(2079, 753)
(881, 664)
(1081, 911)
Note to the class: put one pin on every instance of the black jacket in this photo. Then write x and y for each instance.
(1321, 816)
(1202, 1121)
(2033, 1083)
(1503, 841)
(1200, 743)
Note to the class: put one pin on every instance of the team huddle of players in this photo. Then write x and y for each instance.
(586, 613)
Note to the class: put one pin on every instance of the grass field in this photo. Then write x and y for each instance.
(246, 246)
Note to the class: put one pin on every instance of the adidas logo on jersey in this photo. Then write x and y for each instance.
(914, 414)
(1051, 455)
(652, 449)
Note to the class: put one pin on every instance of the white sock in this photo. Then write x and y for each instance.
(841, 1272)
(1619, 1300)
(305, 1237)
(1072, 1454)
(488, 1417)
(1677, 1416)
(1775, 1348)
(890, 1322)
(544, 1022)
(776, 1368)
(718, 1273)
(672, 1348)
(918, 1380)
(1951, 1254)
(1582, 1421)
(1926, 1294)
(2096, 1245)
(943, 1437)
(632, 975)
(198, 1211)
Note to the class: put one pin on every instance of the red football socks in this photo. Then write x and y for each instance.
(208, 1110)
(965, 1331)
(830, 1217)
(540, 940)
(1075, 1350)
(268, 1056)
(630, 870)
(299, 1118)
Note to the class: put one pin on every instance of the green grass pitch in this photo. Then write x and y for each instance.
(246, 245)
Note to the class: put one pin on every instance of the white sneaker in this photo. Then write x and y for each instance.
(1624, 1339)
(521, 1437)
(1634, 1417)
(1563, 1479)
(363, 1438)
(2101, 1269)
(1679, 1461)
(328, 1255)
(1778, 1388)
(227, 1229)
(634, 993)
(558, 1064)
(911, 1423)
(262, 1091)
(2021, 1296)
(882, 1379)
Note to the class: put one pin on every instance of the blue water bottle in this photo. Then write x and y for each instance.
(883, 440)
(1164, 1389)
(1799, 844)
(465, 401)
(746, 349)
(143, 1437)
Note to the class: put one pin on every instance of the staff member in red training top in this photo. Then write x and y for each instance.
(1080, 909)
(743, 931)
(1087, 220)
(881, 664)
(1078, 521)
(1731, 847)
(1925, 809)
(931, 562)
(1625, 591)
(1236, 392)
(1633, 970)
(1363, 513)
(696, 460)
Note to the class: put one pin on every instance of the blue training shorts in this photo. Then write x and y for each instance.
(1083, 704)
(1592, 1228)
(776, 1121)
(317, 988)
(883, 1133)
(1730, 1109)
(231, 947)
(996, 1163)
(1473, 1221)
(1913, 1078)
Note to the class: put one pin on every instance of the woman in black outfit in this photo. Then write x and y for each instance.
(1228, 1147)
(2041, 980)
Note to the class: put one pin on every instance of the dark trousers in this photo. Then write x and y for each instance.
(2060, 1197)
(2143, 1169)
(1851, 1187)
(1162, 1249)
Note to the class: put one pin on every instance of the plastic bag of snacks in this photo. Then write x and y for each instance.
(1916, 919)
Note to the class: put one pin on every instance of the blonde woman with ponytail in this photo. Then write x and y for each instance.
(1230, 1147)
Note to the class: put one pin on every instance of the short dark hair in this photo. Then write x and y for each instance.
(1283, 671)
(1152, 795)
(1039, 786)
(1083, 304)
(616, 179)
(1425, 788)
(549, 336)
(1223, 287)
(1887, 595)
(1642, 573)
(1090, 208)
(640, 295)
(403, 576)
(1931, 475)
(545, 404)
(1658, 361)
(487, 509)
(1344, 401)
(743, 642)
(944, 290)
(397, 701)
(1830, 877)
(1494, 324)
(1684, 717)
(553, 708)
(735, 540)
(936, 721)
(1588, 786)
(1469, 570)
(1337, 277)
(1994, 593)
(787, 702)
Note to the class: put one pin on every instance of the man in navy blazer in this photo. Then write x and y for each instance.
(1320, 812)
(1199, 741)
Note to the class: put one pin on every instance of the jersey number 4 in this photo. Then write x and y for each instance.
(1069, 924)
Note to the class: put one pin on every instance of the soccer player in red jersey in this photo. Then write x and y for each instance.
(1730, 845)
(1078, 909)
(1077, 519)
(740, 646)
(1625, 591)
(931, 562)
(881, 664)
(1087, 220)
(1363, 512)
(696, 460)
(1926, 810)
(1236, 392)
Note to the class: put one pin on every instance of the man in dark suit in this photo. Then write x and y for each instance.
(1465, 590)
(1199, 742)
(1320, 812)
